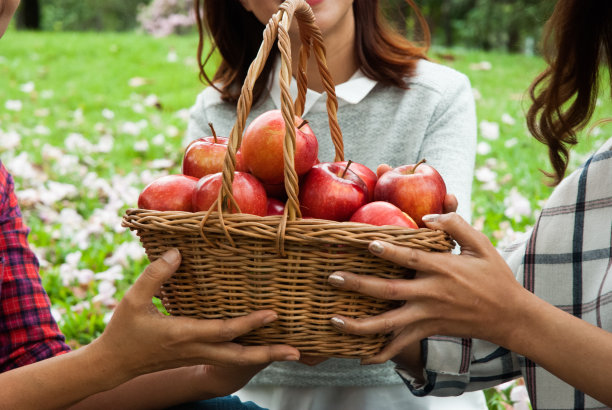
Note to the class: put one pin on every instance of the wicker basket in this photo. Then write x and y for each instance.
(234, 264)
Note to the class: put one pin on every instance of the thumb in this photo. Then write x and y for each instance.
(381, 169)
(450, 203)
(154, 275)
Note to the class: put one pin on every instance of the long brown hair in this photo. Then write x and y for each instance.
(577, 39)
(383, 54)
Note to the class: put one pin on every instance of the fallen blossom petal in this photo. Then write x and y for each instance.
(161, 163)
(484, 174)
(42, 112)
(477, 94)
(141, 146)
(137, 82)
(483, 148)
(517, 205)
(13, 105)
(108, 114)
(85, 276)
(114, 273)
(481, 66)
(9, 140)
(125, 253)
(42, 130)
(173, 131)
(489, 130)
(172, 57)
(27, 87)
(511, 142)
(508, 119)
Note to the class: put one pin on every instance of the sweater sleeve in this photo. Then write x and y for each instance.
(450, 141)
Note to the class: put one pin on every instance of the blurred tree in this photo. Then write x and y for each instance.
(486, 24)
(112, 15)
(165, 17)
(28, 16)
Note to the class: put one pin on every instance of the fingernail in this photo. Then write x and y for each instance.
(171, 256)
(292, 357)
(335, 279)
(376, 247)
(270, 319)
(430, 218)
(336, 321)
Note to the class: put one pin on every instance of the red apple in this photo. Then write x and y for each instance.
(275, 207)
(366, 174)
(248, 192)
(205, 156)
(262, 147)
(332, 191)
(168, 193)
(382, 213)
(417, 190)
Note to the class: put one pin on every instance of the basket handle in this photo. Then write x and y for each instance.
(311, 36)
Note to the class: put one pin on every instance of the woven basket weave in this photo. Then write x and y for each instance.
(234, 263)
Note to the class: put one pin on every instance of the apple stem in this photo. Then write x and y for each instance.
(348, 164)
(417, 164)
(213, 131)
(302, 124)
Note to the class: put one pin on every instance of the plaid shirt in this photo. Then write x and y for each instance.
(565, 260)
(28, 332)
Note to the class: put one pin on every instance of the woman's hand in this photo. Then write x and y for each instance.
(473, 294)
(139, 339)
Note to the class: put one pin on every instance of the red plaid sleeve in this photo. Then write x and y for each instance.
(28, 332)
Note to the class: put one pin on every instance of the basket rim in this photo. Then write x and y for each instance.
(302, 230)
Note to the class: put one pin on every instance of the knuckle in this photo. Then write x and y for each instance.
(226, 330)
(155, 270)
(482, 238)
(452, 219)
(354, 283)
(175, 334)
(130, 302)
(388, 325)
(271, 354)
(390, 290)
(242, 357)
(409, 257)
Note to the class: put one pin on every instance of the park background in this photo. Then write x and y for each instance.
(94, 100)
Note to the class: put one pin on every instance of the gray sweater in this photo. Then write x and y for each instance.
(434, 119)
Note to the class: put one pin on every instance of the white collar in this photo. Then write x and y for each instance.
(352, 91)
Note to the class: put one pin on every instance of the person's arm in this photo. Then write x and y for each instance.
(450, 141)
(171, 387)
(138, 340)
(475, 295)
(28, 332)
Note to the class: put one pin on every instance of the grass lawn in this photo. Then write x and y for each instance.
(87, 119)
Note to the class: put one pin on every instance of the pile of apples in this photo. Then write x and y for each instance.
(336, 191)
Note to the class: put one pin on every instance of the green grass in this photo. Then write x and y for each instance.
(79, 87)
